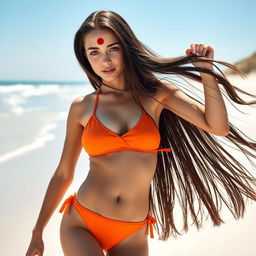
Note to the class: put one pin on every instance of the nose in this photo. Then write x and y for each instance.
(106, 58)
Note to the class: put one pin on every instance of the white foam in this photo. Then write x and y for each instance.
(15, 88)
(44, 135)
(16, 96)
(38, 142)
(14, 101)
(41, 90)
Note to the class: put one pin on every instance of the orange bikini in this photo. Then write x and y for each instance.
(145, 137)
(108, 232)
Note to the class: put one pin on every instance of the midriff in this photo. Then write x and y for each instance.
(117, 185)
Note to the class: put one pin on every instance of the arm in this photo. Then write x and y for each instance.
(63, 175)
(212, 117)
(61, 179)
(215, 111)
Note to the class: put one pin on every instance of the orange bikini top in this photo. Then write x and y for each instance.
(98, 139)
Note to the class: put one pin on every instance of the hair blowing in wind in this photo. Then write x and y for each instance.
(198, 169)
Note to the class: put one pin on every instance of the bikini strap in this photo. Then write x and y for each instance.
(96, 101)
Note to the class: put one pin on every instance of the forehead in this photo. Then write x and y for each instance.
(90, 39)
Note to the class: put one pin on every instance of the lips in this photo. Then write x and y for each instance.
(108, 70)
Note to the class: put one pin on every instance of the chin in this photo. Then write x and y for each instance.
(109, 79)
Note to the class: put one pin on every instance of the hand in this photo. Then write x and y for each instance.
(36, 246)
(202, 50)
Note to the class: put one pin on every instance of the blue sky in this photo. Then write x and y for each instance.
(37, 36)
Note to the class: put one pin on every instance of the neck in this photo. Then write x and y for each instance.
(105, 88)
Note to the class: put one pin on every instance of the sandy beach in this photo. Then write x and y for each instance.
(25, 176)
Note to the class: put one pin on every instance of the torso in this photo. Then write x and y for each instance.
(118, 183)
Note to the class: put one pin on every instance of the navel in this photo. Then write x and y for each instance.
(118, 199)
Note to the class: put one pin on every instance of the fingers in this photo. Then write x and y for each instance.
(34, 252)
(188, 51)
(195, 48)
(199, 49)
(204, 50)
(192, 50)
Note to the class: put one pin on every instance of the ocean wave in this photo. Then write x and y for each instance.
(44, 135)
(26, 108)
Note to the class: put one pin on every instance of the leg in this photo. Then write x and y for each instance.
(135, 245)
(75, 238)
(115, 237)
(79, 242)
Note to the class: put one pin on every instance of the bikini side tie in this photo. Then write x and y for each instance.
(151, 221)
(67, 204)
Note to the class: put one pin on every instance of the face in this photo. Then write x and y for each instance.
(105, 55)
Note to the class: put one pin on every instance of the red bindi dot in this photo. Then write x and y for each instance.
(100, 40)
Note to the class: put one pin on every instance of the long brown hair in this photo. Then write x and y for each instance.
(197, 161)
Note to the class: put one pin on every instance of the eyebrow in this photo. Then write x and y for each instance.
(94, 48)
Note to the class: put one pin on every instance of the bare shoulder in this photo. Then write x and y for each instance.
(82, 107)
(163, 91)
(82, 99)
(78, 103)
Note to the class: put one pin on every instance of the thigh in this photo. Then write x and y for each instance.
(75, 238)
(135, 245)
(79, 242)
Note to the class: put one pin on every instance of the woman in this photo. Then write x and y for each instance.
(138, 128)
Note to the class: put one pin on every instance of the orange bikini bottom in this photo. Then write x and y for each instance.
(108, 232)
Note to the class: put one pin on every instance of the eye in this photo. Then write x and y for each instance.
(115, 48)
(92, 53)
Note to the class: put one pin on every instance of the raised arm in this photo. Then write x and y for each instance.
(62, 177)
(211, 117)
